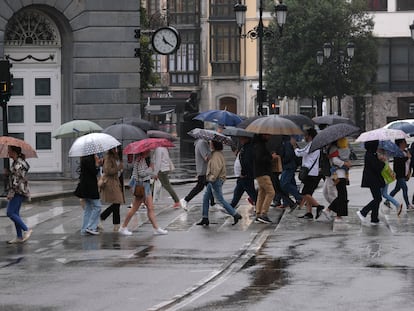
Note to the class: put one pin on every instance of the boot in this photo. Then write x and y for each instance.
(236, 217)
(203, 222)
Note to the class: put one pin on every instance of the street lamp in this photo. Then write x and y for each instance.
(259, 32)
(340, 60)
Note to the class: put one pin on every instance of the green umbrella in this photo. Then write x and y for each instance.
(76, 128)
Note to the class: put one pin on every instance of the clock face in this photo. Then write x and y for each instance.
(166, 40)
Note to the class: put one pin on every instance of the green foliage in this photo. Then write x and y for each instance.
(148, 78)
(294, 71)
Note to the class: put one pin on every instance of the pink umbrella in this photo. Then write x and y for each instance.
(147, 144)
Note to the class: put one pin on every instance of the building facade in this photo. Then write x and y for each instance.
(70, 60)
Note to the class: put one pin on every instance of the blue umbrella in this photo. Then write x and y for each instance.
(391, 148)
(221, 117)
(406, 127)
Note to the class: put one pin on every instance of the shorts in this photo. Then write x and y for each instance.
(310, 184)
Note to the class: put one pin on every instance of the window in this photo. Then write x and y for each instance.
(395, 70)
(15, 114)
(42, 86)
(43, 114)
(43, 141)
(184, 66)
(377, 5)
(405, 5)
(224, 40)
(17, 89)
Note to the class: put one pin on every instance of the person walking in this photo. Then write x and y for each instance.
(88, 190)
(263, 173)
(340, 204)
(372, 179)
(244, 171)
(17, 192)
(216, 175)
(289, 164)
(202, 155)
(162, 167)
(311, 182)
(111, 190)
(402, 171)
(141, 174)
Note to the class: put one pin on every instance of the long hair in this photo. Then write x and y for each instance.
(18, 151)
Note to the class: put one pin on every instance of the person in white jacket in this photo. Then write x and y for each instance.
(162, 167)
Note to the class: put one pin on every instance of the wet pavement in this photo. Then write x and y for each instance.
(293, 264)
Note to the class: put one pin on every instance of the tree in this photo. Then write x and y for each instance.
(294, 71)
(148, 78)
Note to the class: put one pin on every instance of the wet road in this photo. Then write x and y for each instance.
(294, 264)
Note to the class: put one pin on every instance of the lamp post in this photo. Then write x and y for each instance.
(340, 60)
(259, 32)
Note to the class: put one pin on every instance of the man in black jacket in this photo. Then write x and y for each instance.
(263, 173)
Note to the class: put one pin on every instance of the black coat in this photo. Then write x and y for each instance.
(371, 175)
(246, 158)
(88, 183)
(262, 159)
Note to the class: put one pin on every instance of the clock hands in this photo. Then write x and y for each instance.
(166, 42)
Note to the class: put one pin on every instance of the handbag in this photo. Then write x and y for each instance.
(304, 171)
(139, 190)
(388, 174)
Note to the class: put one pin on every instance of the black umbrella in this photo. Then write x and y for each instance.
(299, 119)
(331, 134)
(125, 133)
(332, 119)
(246, 122)
(138, 122)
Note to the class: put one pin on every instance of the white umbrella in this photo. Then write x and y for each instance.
(382, 134)
(92, 144)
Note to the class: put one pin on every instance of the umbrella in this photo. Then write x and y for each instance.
(299, 119)
(92, 143)
(331, 119)
(161, 134)
(147, 144)
(6, 141)
(222, 117)
(403, 126)
(235, 131)
(332, 133)
(76, 128)
(381, 134)
(246, 122)
(125, 133)
(210, 135)
(138, 122)
(391, 148)
(274, 125)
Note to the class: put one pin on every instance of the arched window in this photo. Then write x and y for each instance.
(229, 104)
(31, 28)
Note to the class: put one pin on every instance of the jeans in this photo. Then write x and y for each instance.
(13, 209)
(201, 183)
(91, 214)
(385, 194)
(215, 187)
(401, 183)
(288, 184)
(242, 185)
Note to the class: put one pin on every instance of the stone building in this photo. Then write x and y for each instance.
(72, 59)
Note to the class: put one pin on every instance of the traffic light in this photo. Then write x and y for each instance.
(5, 80)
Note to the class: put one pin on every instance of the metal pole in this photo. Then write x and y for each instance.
(260, 33)
(6, 161)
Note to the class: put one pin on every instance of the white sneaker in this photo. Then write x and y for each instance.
(183, 203)
(124, 231)
(160, 231)
(361, 217)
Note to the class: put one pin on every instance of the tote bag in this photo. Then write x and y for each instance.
(388, 174)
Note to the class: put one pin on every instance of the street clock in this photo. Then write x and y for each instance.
(166, 40)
